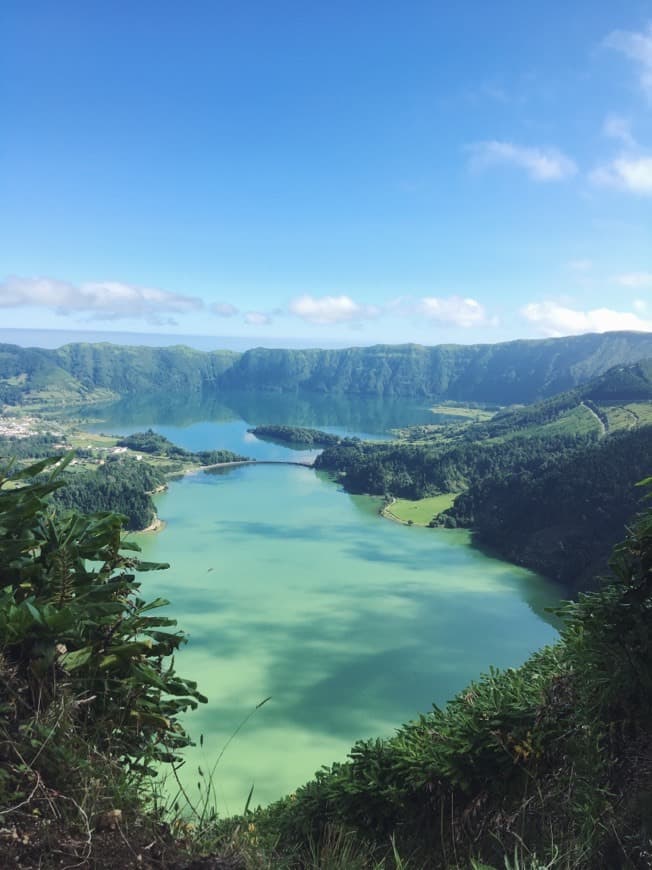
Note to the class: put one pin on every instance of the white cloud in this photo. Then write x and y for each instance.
(224, 309)
(454, 310)
(541, 164)
(615, 127)
(637, 47)
(102, 300)
(553, 319)
(637, 280)
(630, 174)
(640, 305)
(331, 309)
(257, 318)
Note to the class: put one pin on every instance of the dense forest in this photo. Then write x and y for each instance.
(545, 486)
(32, 447)
(511, 372)
(296, 435)
(414, 471)
(551, 504)
(158, 445)
(121, 485)
(118, 483)
(562, 516)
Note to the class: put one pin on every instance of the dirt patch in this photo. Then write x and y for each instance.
(32, 842)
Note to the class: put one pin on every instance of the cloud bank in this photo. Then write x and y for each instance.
(452, 311)
(626, 173)
(331, 309)
(99, 300)
(555, 320)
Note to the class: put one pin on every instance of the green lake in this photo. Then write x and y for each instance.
(291, 588)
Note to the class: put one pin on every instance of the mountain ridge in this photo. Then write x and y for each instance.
(518, 371)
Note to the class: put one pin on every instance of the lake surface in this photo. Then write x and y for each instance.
(291, 588)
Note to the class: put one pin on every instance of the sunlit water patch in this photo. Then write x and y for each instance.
(291, 588)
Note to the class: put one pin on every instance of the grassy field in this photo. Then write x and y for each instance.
(619, 417)
(419, 512)
(473, 414)
(642, 410)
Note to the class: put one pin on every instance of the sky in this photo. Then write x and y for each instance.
(326, 172)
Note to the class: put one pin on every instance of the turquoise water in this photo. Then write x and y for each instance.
(353, 624)
(291, 588)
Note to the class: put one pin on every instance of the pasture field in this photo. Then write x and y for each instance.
(420, 512)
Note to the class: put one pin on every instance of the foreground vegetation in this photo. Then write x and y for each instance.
(547, 765)
(89, 698)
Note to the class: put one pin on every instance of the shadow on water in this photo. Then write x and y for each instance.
(291, 588)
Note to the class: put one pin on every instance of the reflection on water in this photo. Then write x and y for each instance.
(373, 416)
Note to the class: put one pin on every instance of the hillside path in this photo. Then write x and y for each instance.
(601, 423)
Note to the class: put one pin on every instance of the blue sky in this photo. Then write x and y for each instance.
(327, 172)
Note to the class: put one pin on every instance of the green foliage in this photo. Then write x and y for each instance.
(506, 373)
(608, 634)
(83, 657)
(562, 516)
(32, 447)
(121, 485)
(415, 471)
(158, 445)
(152, 442)
(624, 383)
(296, 435)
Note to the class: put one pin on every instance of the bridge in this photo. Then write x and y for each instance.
(306, 463)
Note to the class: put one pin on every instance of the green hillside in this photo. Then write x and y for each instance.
(545, 485)
(85, 372)
(507, 373)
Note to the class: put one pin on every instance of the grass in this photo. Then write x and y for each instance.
(619, 417)
(643, 410)
(420, 512)
(92, 439)
(475, 414)
(579, 420)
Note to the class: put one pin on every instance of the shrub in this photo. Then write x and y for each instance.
(84, 665)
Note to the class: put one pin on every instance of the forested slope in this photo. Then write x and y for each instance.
(562, 517)
(506, 373)
(78, 371)
(546, 486)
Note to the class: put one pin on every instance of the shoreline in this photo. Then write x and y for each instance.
(386, 514)
(157, 525)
